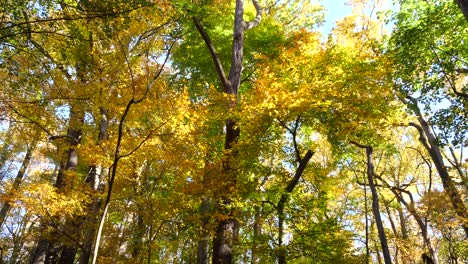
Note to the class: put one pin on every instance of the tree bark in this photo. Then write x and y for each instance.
(366, 215)
(375, 203)
(90, 221)
(226, 229)
(394, 230)
(48, 249)
(429, 141)
(375, 206)
(412, 210)
(281, 253)
(463, 5)
(93, 180)
(5, 153)
(257, 232)
(203, 243)
(18, 179)
(69, 248)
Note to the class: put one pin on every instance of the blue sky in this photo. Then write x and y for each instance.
(337, 9)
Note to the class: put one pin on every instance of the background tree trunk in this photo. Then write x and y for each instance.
(375, 206)
(203, 243)
(18, 179)
(281, 253)
(429, 141)
(48, 249)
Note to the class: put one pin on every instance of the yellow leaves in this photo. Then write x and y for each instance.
(359, 29)
(44, 200)
(345, 84)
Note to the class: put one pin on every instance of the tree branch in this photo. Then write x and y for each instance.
(450, 82)
(209, 44)
(258, 17)
(358, 144)
(299, 171)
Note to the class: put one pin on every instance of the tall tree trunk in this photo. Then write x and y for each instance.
(257, 232)
(69, 247)
(412, 210)
(226, 230)
(18, 179)
(404, 234)
(48, 249)
(396, 234)
(375, 204)
(90, 222)
(137, 238)
(404, 229)
(366, 215)
(93, 180)
(429, 141)
(5, 153)
(203, 243)
(281, 253)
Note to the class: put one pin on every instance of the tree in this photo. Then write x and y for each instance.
(430, 60)
(375, 202)
(226, 230)
(220, 131)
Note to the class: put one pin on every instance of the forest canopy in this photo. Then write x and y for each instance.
(211, 131)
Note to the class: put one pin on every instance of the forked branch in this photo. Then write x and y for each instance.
(258, 17)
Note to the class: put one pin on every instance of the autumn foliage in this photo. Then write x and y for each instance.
(155, 131)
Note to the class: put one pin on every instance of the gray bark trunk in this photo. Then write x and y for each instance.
(412, 210)
(69, 248)
(429, 141)
(18, 179)
(48, 248)
(257, 232)
(375, 206)
(93, 181)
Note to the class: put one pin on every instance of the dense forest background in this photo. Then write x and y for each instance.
(196, 131)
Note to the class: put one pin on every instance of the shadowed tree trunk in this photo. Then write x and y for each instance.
(226, 230)
(5, 152)
(302, 163)
(281, 253)
(396, 234)
(375, 206)
(463, 4)
(48, 249)
(257, 232)
(412, 210)
(93, 180)
(203, 244)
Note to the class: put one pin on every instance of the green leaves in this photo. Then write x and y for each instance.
(299, 93)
